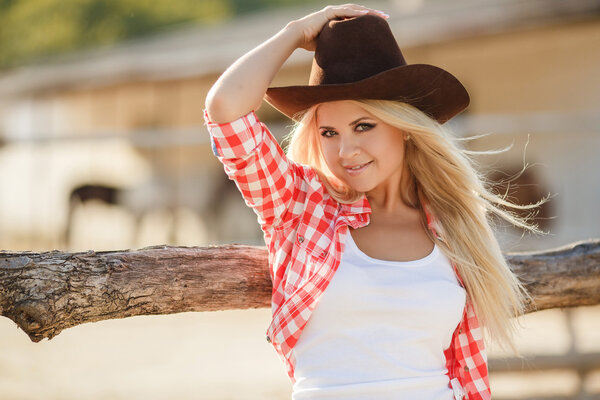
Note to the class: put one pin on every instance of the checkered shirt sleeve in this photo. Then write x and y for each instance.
(254, 160)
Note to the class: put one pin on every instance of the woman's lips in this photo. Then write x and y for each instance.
(357, 171)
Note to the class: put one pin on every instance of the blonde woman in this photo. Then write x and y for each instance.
(384, 266)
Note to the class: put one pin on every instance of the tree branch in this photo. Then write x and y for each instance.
(45, 293)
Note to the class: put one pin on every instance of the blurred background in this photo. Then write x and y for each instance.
(102, 146)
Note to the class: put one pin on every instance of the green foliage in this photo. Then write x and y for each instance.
(31, 30)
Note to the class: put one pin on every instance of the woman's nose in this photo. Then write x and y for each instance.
(348, 148)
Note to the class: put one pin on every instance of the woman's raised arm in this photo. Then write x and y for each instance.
(242, 86)
(250, 154)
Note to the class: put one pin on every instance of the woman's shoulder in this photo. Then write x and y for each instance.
(309, 173)
(310, 182)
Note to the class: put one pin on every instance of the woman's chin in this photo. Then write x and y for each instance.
(362, 188)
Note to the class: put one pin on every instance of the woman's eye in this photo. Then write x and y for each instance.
(359, 127)
(365, 126)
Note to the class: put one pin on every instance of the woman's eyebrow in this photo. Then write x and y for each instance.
(350, 124)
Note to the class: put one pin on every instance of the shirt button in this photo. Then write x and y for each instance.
(466, 368)
(301, 239)
(324, 253)
(268, 339)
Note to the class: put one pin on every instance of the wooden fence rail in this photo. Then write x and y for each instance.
(45, 293)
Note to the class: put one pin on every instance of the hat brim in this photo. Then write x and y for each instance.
(431, 89)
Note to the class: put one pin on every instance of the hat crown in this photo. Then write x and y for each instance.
(359, 58)
(349, 50)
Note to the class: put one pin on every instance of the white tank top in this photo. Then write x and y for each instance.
(380, 329)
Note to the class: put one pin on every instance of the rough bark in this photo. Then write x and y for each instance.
(45, 293)
(567, 276)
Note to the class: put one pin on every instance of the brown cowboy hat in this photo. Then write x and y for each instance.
(358, 58)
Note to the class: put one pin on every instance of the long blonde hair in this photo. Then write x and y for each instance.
(459, 197)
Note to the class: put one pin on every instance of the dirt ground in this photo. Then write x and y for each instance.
(224, 355)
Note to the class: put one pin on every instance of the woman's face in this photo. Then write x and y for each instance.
(359, 149)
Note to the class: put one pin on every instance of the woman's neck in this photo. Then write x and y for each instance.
(394, 196)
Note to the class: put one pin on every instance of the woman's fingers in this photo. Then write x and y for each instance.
(312, 24)
(354, 9)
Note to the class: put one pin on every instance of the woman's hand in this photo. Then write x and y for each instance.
(310, 26)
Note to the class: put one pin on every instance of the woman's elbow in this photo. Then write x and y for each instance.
(222, 110)
(213, 107)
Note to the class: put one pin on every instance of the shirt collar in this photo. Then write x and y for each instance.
(362, 209)
(359, 207)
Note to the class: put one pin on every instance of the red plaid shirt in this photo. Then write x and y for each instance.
(304, 229)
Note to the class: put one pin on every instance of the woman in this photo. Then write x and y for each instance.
(382, 259)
